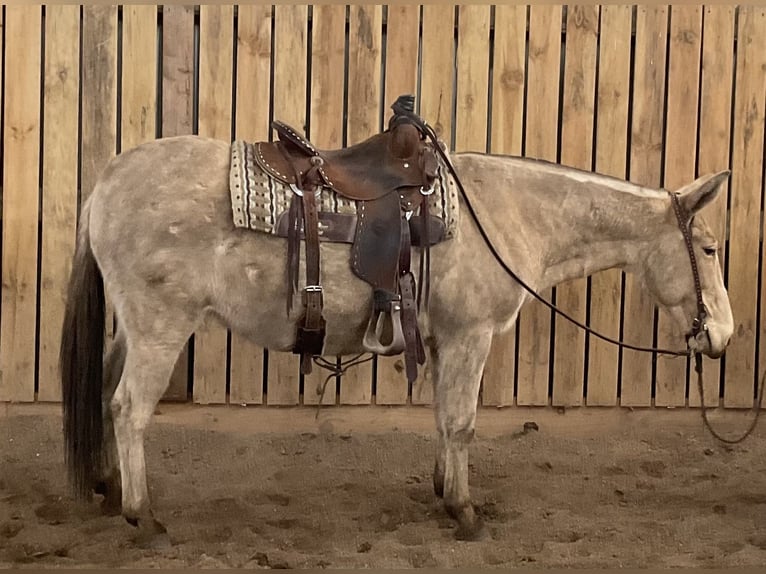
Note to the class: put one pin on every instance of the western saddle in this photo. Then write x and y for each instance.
(390, 176)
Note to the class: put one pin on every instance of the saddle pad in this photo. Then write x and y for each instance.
(257, 199)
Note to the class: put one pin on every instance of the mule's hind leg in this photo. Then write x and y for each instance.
(109, 483)
(153, 345)
(458, 363)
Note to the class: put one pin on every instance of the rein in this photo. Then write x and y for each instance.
(698, 323)
(708, 426)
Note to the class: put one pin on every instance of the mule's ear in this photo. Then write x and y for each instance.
(701, 191)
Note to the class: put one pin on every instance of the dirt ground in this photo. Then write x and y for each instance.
(271, 488)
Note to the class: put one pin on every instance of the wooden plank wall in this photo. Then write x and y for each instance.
(655, 94)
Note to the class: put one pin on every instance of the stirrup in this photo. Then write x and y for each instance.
(389, 324)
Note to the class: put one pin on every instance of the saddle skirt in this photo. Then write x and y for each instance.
(260, 201)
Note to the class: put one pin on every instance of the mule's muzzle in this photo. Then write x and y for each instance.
(706, 343)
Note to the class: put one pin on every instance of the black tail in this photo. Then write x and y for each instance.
(81, 363)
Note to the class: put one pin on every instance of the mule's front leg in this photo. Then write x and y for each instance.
(458, 364)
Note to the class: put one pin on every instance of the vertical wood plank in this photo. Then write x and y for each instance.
(611, 159)
(541, 142)
(680, 158)
(364, 114)
(403, 29)
(746, 190)
(99, 93)
(472, 78)
(177, 119)
(328, 53)
(177, 70)
(139, 74)
(714, 140)
(251, 124)
(402, 51)
(215, 82)
(576, 151)
(20, 202)
(507, 136)
(645, 167)
(59, 209)
(437, 68)
(436, 89)
(290, 75)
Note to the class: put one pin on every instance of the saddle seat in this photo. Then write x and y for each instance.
(363, 172)
(389, 176)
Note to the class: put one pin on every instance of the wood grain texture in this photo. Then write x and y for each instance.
(251, 124)
(99, 93)
(541, 139)
(436, 89)
(177, 70)
(178, 119)
(647, 129)
(437, 57)
(364, 120)
(611, 159)
(139, 80)
(714, 141)
(746, 190)
(507, 134)
(59, 202)
(472, 79)
(290, 76)
(402, 53)
(680, 159)
(216, 60)
(328, 52)
(21, 145)
(403, 31)
(576, 151)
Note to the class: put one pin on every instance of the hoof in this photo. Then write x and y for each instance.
(474, 532)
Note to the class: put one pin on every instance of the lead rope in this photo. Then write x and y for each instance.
(432, 135)
(708, 426)
(699, 325)
(335, 371)
(698, 321)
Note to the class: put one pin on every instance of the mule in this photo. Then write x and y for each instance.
(157, 235)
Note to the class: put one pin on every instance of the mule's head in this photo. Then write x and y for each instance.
(667, 270)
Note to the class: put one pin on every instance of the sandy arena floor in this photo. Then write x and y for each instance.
(255, 487)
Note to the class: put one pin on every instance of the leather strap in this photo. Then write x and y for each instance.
(294, 219)
(311, 332)
(303, 209)
(341, 228)
(414, 353)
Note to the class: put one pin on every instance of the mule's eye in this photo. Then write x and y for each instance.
(710, 251)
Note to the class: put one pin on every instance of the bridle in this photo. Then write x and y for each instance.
(699, 325)
(684, 224)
